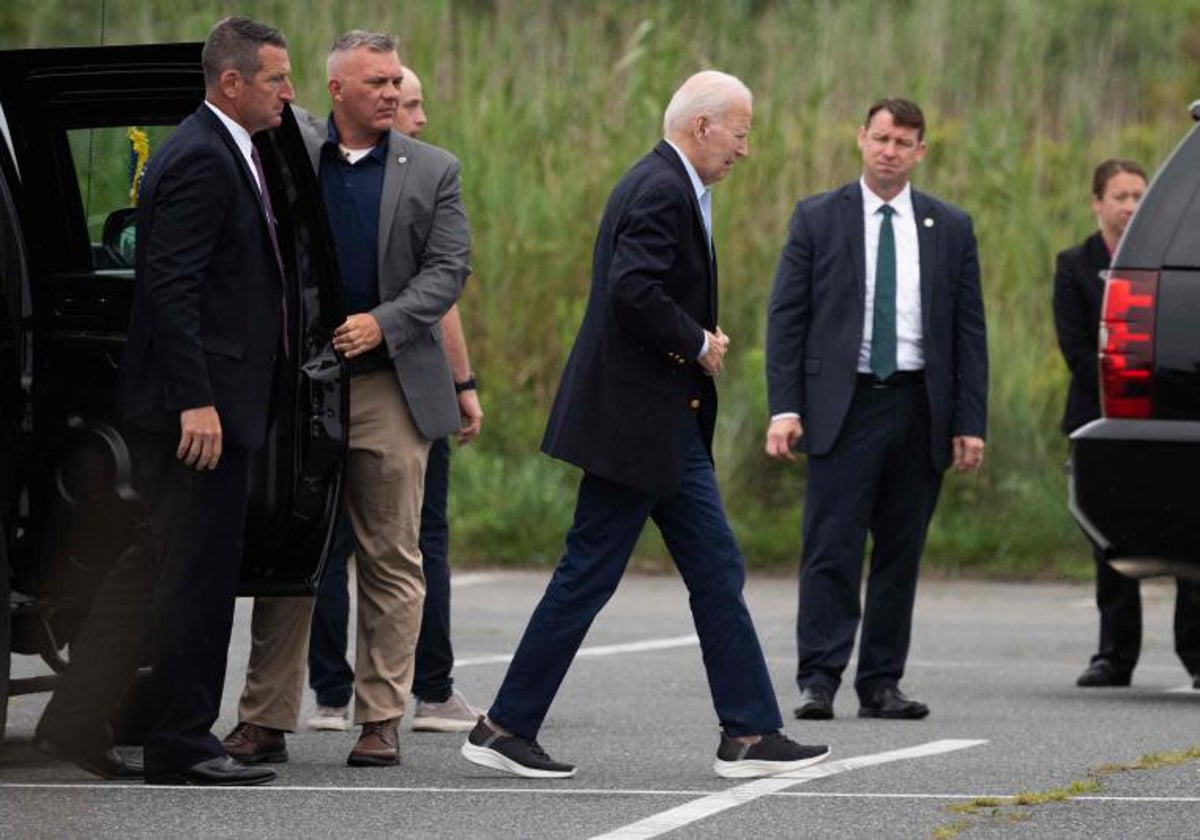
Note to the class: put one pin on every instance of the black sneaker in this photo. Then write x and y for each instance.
(512, 754)
(773, 753)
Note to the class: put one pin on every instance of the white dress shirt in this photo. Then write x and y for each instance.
(910, 339)
(241, 138)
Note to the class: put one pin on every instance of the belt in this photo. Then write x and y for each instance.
(899, 379)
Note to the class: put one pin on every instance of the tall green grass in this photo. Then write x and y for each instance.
(546, 103)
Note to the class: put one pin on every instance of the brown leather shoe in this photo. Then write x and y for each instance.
(250, 743)
(378, 745)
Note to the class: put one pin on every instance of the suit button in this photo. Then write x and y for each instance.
(694, 404)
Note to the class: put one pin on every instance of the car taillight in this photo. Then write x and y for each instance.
(1127, 344)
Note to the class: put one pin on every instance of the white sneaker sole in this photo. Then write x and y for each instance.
(438, 724)
(485, 757)
(753, 769)
(329, 724)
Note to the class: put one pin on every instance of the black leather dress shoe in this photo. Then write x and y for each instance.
(1102, 673)
(222, 770)
(816, 703)
(105, 763)
(890, 702)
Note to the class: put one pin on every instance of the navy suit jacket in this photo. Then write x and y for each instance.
(207, 309)
(1078, 296)
(632, 374)
(815, 320)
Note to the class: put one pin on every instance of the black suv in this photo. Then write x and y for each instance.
(1135, 478)
(77, 125)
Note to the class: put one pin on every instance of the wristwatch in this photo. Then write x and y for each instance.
(468, 384)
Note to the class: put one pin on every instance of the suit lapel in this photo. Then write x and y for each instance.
(852, 224)
(394, 178)
(1098, 257)
(214, 122)
(671, 157)
(928, 252)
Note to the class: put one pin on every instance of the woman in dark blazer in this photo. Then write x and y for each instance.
(1117, 186)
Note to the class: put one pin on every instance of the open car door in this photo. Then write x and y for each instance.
(82, 123)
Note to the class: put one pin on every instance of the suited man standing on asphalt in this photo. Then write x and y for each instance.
(204, 337)
(877, 370)
(635, 410)
(403, 244)
(1117, 187)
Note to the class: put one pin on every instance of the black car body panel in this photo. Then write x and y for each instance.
(1133, 489)
(1135, 483)
(1162, 233)
(66, 506)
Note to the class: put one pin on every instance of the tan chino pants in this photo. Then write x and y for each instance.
(384, 486)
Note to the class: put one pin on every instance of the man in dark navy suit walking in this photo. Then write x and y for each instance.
(877, 369)
(635, 410)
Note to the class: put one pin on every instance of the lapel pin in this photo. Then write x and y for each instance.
(401, 159)
(928, 222)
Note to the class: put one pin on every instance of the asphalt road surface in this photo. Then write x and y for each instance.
(995, 662)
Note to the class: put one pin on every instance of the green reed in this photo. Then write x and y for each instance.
(547, 103)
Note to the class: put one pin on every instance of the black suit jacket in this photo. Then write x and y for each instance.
(1078, 296)
(625, 392)
(815, 320)
(207, 310)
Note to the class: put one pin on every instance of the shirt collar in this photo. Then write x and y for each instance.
(697, 184)
(333, 142)
(240, 136)
(901, 203)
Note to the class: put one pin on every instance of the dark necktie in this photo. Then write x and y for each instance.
(264, 198)
(883, 330)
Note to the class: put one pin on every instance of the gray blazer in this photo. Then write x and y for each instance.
(424, 252)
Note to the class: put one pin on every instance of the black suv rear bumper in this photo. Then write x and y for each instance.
(1134, 488)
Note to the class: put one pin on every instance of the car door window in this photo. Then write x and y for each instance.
(109, 163)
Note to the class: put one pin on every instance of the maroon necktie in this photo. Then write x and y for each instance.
(264, 198)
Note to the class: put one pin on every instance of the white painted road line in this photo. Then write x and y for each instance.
(1186, 688)
(459, 580)
(724, 800)
(598, 650)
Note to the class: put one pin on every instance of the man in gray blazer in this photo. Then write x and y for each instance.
(403, 243)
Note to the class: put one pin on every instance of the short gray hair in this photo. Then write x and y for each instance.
(707, 93)
(379, 42)
(233, 43)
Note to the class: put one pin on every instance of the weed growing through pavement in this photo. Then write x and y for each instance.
(1007, 809)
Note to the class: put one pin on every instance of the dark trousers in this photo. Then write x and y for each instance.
(197, 521)
(1119, 600)
(179, 580)
(608, 520)
(108, 648)
(329, 674)
(877, 479)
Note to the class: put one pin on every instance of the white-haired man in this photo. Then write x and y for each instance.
(636, 410)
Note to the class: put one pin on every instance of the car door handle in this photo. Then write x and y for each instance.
(81, 307)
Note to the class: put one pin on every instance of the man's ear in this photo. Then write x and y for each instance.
(230, 82)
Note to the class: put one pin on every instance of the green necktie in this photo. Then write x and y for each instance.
(883, 330)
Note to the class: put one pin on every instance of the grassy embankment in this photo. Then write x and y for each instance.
(547, 103)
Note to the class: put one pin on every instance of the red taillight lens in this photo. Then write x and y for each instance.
(1127, 344)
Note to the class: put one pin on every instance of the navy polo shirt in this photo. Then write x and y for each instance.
(352, 192)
